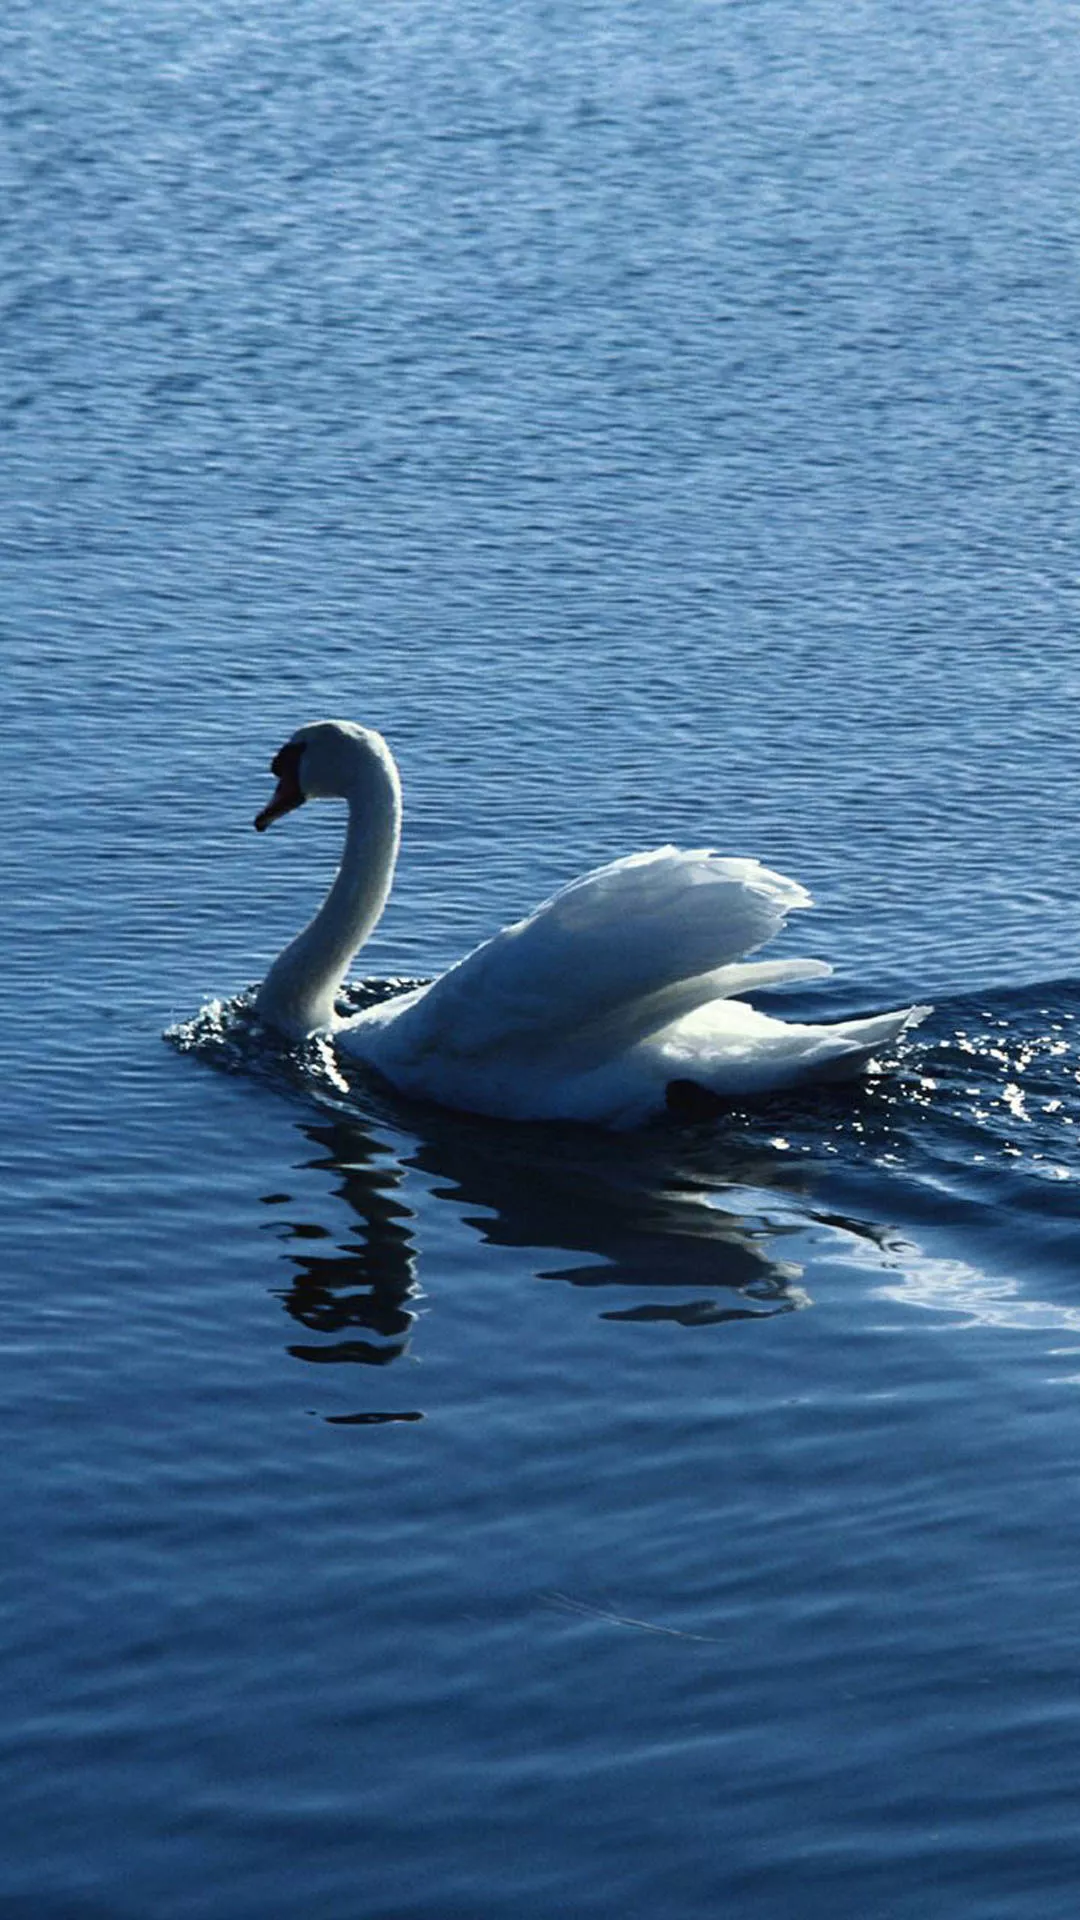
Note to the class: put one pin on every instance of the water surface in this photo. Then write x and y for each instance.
(662, 422)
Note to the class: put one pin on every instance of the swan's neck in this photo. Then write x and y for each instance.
(299, 991)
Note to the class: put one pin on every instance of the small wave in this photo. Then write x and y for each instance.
(229, 1035)
(1062, 992)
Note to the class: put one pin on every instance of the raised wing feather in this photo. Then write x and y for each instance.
(625, 934)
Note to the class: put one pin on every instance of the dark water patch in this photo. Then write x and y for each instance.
(693, 1313)
(369, 1419)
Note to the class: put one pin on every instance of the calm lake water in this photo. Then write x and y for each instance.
(661, 418)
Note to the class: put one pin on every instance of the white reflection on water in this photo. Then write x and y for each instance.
(981, 1298)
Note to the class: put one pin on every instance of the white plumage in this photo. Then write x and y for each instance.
(589, 1009)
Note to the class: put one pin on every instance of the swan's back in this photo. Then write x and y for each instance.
(617, 986)
(621, 938)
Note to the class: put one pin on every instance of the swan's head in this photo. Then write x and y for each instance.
(327, 760)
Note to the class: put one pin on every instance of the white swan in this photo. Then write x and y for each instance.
(608, 1004)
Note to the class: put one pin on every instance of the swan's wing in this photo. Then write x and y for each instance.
(636, 935)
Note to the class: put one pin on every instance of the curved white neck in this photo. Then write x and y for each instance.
(299, 991)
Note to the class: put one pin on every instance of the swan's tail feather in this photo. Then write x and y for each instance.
(624, 1026)
(730, 1049)
(853, 1044)
(879, 1029)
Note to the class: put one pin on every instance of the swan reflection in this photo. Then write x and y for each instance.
(649, 1219)
(640, 1212)
(356, 1294)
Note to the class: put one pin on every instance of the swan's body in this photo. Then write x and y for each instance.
(618, 988)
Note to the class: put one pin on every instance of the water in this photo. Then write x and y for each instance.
(662, 421)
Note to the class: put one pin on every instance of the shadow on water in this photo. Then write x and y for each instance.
(693, 1226)
(356, 1291)
(646, 1216)
(690, 1225)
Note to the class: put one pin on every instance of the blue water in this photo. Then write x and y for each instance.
(661, 418)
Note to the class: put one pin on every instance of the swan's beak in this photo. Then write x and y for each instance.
(289, 792)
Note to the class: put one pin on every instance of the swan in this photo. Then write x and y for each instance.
(613, 1002)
